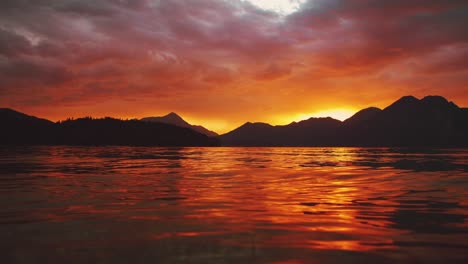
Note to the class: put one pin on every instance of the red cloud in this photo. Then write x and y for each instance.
(85, 52)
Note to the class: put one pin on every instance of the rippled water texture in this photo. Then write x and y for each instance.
(233, 205)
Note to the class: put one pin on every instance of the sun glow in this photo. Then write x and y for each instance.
(284, 7)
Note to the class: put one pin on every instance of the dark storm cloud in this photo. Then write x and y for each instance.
(377, 33)
(77, 49)
(12, 44)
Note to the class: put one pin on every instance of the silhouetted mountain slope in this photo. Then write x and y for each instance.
(251, 134)
(175, 119)
(109, 131)
(363, 116)
(311, 132)
(205, 131)
(431, 121)
(20, 129)
(171, 118)
(10, 115)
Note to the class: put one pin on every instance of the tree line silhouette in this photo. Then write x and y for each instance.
(409, 122)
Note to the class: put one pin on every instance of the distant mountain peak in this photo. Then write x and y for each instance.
(317, 122)
(409, 121)
(437, 101)
(435, 98)
(403, 104)
(174, 119)
(173, 114)
(430, 121)
(409, 97)
(327, 118)
(10, 113)
(370, 110)
(363, 116)
(429, 102)
(407, 100)
(254, 125)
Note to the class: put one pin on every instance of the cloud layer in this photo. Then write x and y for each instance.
(227, 61)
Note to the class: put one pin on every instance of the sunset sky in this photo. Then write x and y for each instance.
(221, 63)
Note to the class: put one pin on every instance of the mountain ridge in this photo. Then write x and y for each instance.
(174, 119)
(22, 129)
(409, 121)
(432, 121)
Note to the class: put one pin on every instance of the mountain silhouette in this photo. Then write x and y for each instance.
(363, 116)
(314, 131)
(409, 122)
(431, 121)
(21, 129)
(175, 119)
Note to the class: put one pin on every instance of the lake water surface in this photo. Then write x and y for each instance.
(233, 205)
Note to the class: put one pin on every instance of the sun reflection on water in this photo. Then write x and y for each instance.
(273, 204)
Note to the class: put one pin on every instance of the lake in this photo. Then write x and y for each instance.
(233, 205)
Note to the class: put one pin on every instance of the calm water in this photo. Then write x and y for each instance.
(233, 205)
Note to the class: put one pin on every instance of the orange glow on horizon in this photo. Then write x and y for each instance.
(219, 125)
(225, 63)
(335, 113)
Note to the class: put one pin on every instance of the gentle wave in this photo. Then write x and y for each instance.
(249, 205)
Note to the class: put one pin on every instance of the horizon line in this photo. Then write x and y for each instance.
(303, 117)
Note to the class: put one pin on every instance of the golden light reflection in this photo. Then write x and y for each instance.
(301, 198)
(318, 206)
(350, 245)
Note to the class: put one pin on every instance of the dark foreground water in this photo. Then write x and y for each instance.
(233, 205)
